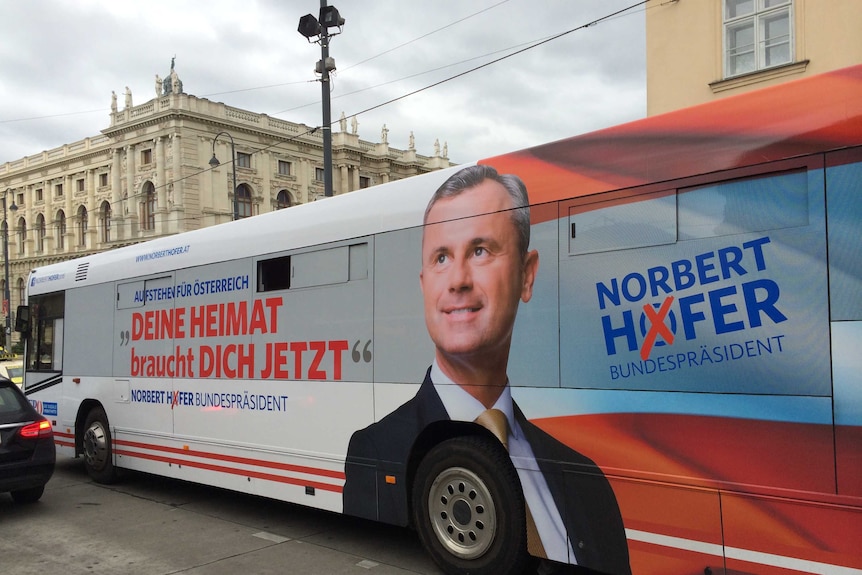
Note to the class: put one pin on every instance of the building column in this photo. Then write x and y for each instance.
(345, 178)
(161, 215)
(130, 205)
(69, 242)
(265, 169)
(117, 232)
(177, 177)
(92, 213)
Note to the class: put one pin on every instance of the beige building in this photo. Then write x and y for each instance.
(699, 50)
(148, 175)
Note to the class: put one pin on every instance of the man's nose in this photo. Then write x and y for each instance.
(460, 276)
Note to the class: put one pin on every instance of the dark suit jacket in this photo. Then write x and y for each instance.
(583, 495)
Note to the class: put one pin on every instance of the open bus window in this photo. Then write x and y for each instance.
(321, 267)
(45, 349)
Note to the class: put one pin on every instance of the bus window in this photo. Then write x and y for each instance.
(45, 352)
(750, 205)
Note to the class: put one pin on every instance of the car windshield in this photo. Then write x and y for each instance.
(15, 371)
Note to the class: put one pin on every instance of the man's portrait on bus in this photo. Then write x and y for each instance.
(476, 269)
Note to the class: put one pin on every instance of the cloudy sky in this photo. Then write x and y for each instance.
(60, 60)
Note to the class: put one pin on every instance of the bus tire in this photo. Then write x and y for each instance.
(98, 447)
(469, 509)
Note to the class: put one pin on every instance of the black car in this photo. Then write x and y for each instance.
(27, 451)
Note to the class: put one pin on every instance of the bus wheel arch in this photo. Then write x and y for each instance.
(94, 442)
(468, 507)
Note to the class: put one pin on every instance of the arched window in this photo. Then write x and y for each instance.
(22, 235)
(40, 233)
(105, 221)
(148, 207)
(243, 201)
(61, 230)
(82, 226)
(283, 200)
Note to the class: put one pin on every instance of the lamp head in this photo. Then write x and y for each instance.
(309, 26)
(214, 161)
(330, 18)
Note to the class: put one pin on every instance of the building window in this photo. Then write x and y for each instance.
(282, 200)
(81, 185)
(105, 221)
(243, 160)
(148, 207)
(58, 190)
(40, 233)
(243, 201)
(39, 194)
(283, 168)
(146, 156)
(61, 230)
(364, 181)
(103, 180)
(21, 200)
(82, 226)
(21, 292)
(757, 35)
(319, 174)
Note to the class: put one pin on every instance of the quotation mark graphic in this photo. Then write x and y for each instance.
(366, 352)
(124, 338)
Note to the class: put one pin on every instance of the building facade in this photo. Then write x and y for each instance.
(698, 50)
(149, 175)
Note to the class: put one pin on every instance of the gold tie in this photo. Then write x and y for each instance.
(495, 421)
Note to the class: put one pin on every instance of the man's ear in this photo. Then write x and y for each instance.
(531, 268)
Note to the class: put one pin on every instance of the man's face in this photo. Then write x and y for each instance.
(473, 274)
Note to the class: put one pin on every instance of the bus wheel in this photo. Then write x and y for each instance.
(469, 509)
(98, 456)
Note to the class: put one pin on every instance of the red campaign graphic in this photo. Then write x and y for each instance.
(658, 326)
(746, 484)
(701, 139)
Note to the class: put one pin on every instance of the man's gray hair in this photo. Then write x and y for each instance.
(472, 176)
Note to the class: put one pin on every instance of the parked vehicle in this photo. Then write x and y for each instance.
(27, 450)
(13, 369)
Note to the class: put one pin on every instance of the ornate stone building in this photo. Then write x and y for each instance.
(148, 175)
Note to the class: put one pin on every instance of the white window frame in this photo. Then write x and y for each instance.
(762, 12)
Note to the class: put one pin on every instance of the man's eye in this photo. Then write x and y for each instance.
(480, 251)
(441, 258)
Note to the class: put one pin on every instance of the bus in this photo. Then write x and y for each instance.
(670, 325)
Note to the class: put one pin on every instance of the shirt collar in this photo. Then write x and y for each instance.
(461, 406)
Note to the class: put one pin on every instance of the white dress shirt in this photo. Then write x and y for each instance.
(461, 406)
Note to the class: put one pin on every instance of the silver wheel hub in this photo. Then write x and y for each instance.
(462, 513)
(96, 445)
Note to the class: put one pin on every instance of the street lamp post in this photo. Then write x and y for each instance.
(311, 27)
(214, 162)
(6, 296)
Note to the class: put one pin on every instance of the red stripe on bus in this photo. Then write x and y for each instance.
(234, 459)
(232, 470)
